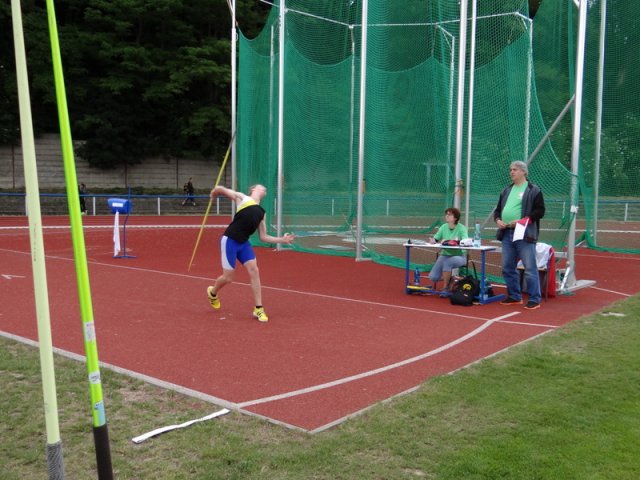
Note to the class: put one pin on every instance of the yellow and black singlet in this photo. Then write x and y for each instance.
(246, 220)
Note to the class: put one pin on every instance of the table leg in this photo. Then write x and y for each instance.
(407, 269)
(484, 290)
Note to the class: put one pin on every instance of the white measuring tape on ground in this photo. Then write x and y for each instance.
(158, 431)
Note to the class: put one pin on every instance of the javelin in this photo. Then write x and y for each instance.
(206, 214)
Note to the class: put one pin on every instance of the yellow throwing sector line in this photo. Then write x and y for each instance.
(206, 214)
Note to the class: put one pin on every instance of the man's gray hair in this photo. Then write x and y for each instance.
(520, 165)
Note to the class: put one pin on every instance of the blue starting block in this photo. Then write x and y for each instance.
(121, 206)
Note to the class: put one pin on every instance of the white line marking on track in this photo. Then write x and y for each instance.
(612, 291)
(529, 324)
(299, 292)
(386, 368)
(9, 277)
(612, 256)
(240, 406)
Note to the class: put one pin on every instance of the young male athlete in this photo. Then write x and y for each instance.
(235, 243)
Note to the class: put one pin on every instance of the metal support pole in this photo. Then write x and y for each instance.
(570, 282)
(462, 52)
(280, 173)
(472, 66)
(361, 140)
(596, 168)
(234, 93)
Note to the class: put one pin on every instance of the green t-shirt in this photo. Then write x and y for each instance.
(512, 210)
(456, 233)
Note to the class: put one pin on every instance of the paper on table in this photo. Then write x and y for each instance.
(521, 226)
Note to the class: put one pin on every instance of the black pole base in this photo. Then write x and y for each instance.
(103, 452)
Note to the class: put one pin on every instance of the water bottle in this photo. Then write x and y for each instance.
(416, 277)
(477, 238)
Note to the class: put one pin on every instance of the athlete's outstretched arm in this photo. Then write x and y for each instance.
(227, 192)
(287, 238)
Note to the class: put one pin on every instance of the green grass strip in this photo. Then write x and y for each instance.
(563, 406)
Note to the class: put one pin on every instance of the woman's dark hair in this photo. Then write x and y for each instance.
(453, 211)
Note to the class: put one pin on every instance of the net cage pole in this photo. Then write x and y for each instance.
(527, 115)
(234, 94)
(450, 106)
(363, 85)
(598, 133)
(551, 129)
(460, 107)
(570, 282)
(272, 56)
(352, 110)
(472, 66)
(281, 62)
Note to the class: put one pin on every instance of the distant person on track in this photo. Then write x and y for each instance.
(235, 244)
(190, 191)
(82, 190)
(520, 203)
(448, 259)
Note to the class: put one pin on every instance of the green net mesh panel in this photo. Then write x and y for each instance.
(610, 181)
(522, 79)
(609, 202)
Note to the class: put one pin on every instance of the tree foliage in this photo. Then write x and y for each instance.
(152, 77)
(142, 77)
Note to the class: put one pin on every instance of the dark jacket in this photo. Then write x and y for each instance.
(532, 207)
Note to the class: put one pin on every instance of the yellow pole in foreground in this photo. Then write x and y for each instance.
(55, 461)
(100, 430)
(206, 214)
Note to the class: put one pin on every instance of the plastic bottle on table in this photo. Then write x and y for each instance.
(477, 237)
(416, 277)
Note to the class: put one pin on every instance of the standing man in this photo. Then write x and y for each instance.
(521, 202)
(235, 244)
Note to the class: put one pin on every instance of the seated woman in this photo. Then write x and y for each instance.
(448, 259)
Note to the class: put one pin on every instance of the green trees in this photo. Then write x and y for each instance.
(143, 77)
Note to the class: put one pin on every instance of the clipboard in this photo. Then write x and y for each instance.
(521, 227)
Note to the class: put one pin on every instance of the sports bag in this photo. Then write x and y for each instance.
(464, 291)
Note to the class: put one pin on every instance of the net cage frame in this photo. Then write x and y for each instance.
(464, 93)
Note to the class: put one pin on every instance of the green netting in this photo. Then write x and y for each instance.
(522, 79)
(609, 181)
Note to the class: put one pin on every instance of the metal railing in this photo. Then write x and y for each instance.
(149, 204)
(96, 204)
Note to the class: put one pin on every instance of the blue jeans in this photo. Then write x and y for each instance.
(446, 263)
(525, 251)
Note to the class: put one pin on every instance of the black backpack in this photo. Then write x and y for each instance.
(465, 290)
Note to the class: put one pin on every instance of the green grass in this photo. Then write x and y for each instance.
(563, 406)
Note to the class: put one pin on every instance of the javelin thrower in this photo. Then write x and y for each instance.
(236, 246)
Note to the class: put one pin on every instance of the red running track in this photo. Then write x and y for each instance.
(342, 335)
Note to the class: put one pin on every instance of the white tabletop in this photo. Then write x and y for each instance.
(421, 244)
